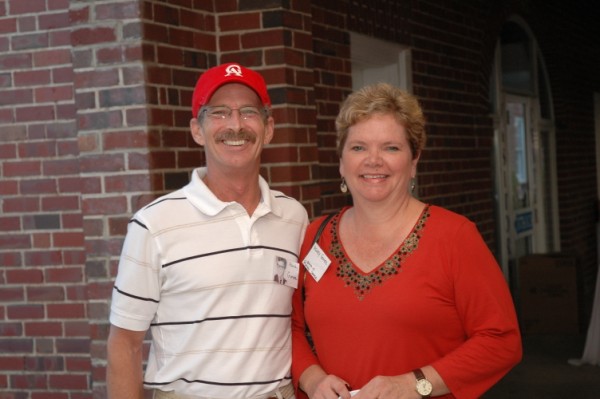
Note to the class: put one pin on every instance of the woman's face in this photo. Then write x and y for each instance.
(377, 161)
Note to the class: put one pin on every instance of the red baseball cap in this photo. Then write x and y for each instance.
(217, 76)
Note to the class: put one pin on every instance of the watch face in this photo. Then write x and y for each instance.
(424, 387)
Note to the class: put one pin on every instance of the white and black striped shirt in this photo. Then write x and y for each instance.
(199, 273)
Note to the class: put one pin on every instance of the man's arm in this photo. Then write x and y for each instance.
(124, 369)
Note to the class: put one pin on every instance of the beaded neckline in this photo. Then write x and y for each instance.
(364, 283)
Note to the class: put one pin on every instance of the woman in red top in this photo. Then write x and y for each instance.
(402, 299)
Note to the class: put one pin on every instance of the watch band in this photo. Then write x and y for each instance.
(421, 377)
(419, 374)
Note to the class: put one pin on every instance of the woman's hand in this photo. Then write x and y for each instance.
(402, 386)
(397, 387)
(319, 385)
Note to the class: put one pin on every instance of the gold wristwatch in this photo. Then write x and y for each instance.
(423, 387)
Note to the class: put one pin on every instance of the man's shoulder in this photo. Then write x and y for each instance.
(164, 204)
(288, 205)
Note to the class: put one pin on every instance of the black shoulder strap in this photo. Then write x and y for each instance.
(315, 239)
(321, 228)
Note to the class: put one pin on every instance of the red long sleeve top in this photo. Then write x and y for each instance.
(440, 300)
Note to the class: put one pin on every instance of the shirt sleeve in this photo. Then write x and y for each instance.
(136, 292)
(485, 307)
(302, 353)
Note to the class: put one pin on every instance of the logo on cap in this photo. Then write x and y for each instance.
(234, 70)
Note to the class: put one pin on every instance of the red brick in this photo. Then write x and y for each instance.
(11, 294)
(77, 293)
(72, 345)
(105, 205)
(77, 329)
(43, 258)
(230, 42)
(8, 25)
(239, 21)
(263, 38)
(66, 111)
(103, 163)
(30, 382)
(11, 362)
(15, 61)
(64, 275)
(38, 186)
(27, 204)
(15, 241)
(84, 36)
(16, 97)
(43, 329)
(72, 220)
(97, 78)
(169, 55)
(9, 187)
(119, 11)
(37, 149)
(184, 38)
(109, 55)
(42, 240)
(24, 276)
(63, 75)
(35, 114)
(54, 20)
(26, 7)
(53, 93)
(45, 293)
(79, 14)
(10, 223)
(66, 311)
(136, 117)
(280, 174)
(30, 41)
(60, 203)
(58, 4)
(74, 257)
(91, 185)
(99, 120)
(60, 167)
(63, 239)
(70, 381)
(25, 312)
(100, 290)
(7, 116)
(10, 259)
(51, 57)
(10, 330)
(128, 183)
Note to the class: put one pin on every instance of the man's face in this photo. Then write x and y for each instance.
(232, 138)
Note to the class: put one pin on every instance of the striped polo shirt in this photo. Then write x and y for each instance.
(199, 272)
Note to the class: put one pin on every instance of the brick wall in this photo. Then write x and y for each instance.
(44, 328)
(94, 115)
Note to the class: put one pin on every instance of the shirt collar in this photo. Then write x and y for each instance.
(198, 193)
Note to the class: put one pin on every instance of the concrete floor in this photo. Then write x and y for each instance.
(545, 372)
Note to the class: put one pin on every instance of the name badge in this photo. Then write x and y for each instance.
(286, 272)
(316, 262)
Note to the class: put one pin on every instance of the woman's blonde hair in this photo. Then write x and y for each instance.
(382, 98)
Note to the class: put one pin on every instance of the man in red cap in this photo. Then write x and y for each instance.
(197, 264)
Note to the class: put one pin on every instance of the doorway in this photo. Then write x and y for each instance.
(524, 152)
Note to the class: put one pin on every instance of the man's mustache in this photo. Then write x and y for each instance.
(231, 135)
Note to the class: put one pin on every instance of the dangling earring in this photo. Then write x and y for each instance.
(343, 186)
(412, 185)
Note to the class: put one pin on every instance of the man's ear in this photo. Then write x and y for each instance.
(269, 130)
(197, 132)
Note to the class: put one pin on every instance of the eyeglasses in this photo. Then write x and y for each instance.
(222, 112)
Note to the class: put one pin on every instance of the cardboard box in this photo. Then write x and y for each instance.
(548, 294)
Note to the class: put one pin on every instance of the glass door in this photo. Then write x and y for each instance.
(520, 182)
